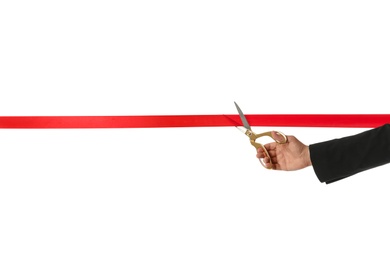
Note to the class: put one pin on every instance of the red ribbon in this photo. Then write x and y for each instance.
(147, 121)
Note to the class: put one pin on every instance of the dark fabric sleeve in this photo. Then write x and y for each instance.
(337, 159)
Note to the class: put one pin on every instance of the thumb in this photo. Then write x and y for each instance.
(280, 138)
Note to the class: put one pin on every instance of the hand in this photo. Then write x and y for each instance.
(290, 156)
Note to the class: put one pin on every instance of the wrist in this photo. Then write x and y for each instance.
(306, 156)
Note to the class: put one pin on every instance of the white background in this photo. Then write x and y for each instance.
(186, 193)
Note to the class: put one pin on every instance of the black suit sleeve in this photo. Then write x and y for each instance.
(340, 158)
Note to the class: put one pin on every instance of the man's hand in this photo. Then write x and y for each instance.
(290, 156)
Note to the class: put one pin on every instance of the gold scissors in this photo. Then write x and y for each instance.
(253, 136)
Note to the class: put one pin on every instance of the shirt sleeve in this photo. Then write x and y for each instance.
(337, 159)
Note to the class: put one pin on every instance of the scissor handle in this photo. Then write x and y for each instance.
(259, 145)
(269, 134)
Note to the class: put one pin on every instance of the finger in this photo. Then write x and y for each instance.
(270, 146)
(271, 149)
(272, 162)
(272, 153)
(266, 162)
(274, 159)
(276, 166)
(260, 153)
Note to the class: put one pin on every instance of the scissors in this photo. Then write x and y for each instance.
(253, 136)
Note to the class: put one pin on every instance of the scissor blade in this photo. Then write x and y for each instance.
(243, 118)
